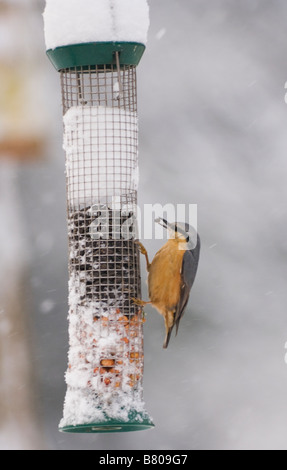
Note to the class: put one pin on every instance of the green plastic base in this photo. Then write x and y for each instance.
(81, 56)
(137, 422)
(106, 427)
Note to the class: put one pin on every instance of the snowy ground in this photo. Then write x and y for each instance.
(213, 132)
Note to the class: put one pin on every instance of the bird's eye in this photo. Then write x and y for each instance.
(187, 239)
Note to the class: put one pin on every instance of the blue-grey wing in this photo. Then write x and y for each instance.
(188, 274)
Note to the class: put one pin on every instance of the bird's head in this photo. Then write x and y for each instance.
(181, 232)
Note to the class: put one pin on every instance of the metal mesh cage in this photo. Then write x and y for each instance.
(105, 373)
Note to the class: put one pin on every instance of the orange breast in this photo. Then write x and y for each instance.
(164, 280)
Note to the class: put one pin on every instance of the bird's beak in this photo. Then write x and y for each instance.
(164, 223)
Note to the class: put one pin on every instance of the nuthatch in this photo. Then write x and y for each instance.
(172, 273)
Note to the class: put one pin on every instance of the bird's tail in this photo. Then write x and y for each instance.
(167, 338)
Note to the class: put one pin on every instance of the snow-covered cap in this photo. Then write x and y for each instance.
(69, 22)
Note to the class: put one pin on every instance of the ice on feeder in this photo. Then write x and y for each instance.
(100, 142)
(105, 362)
(83, 21)
(131, 20)
(105, 328)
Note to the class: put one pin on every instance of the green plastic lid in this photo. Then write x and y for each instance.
(95, 53)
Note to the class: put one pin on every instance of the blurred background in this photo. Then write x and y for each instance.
(213, 122)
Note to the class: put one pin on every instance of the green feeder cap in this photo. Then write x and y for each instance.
(136, 422)
(95, 53)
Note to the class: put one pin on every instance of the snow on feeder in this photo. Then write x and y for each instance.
(96, 46)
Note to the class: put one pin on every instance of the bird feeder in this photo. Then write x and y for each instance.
(99, 94)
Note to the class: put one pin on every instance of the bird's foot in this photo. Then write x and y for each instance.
(144, 252)
(139, 302)
(141, 248)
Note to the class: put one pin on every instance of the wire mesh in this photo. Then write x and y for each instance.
(105, 371)
(100, 86)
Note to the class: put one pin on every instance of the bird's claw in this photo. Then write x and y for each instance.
(141, 248)
(138, 302)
